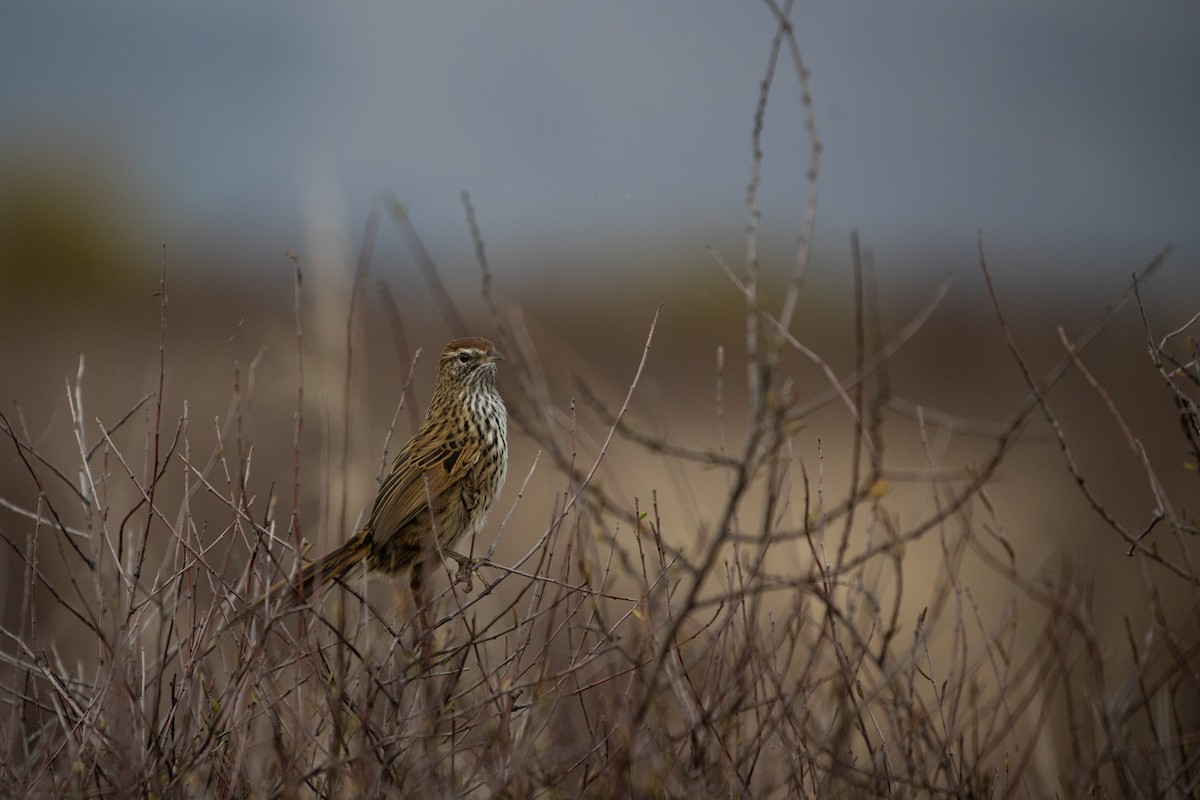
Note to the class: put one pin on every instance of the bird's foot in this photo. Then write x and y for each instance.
(467, 567)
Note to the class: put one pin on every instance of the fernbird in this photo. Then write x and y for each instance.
(440, 485)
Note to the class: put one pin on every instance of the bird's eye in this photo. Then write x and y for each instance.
(464, 357)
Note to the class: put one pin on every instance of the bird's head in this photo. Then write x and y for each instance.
(465, 362)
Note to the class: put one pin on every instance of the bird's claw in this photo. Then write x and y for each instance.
(467, 567)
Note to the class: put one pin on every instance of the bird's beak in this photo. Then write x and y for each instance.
(494, 355)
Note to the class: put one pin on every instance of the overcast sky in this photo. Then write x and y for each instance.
(1073, 126)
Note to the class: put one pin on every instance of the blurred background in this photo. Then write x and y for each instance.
(232, 132)
(605, 147)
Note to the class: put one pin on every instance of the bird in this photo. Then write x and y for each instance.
(440, 486)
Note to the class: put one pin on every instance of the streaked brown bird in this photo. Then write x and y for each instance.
(441, 484)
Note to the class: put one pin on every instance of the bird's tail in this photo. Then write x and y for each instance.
(330, 567)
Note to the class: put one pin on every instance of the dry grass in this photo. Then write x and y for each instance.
(787, 649)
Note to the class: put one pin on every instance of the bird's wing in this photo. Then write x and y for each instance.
(430, 464)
